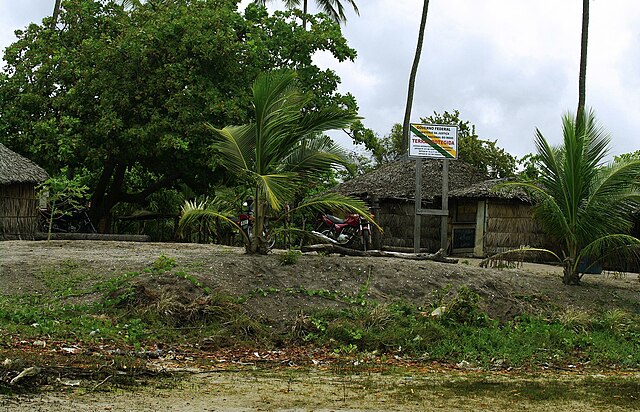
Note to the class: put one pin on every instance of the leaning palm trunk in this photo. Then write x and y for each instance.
(412, 78)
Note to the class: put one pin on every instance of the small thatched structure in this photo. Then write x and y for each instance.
(18, 201)
(390, 189)
(488, 218)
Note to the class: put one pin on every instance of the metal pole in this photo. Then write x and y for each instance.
(444, 224)
(418, 221)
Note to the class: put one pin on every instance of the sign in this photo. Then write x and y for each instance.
(433, 141)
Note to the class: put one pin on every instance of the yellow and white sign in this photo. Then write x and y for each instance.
(433, 141)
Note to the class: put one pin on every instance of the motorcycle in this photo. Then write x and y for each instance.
(344, 232)
(245, 222)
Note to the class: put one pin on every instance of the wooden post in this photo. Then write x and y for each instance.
(376, 236)
(417, 225)
(444, 223)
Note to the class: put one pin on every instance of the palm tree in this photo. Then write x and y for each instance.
(412, 78)
(582, 76)
(333, 8)
(282, 148)
(583, 203)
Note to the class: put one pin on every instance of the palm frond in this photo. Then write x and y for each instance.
(278, 188)
(236, 144)
(316, 153)
(619, 247)
(330, 118)
(278, 106)
(197, 215)
(516, 254)
(335, 10)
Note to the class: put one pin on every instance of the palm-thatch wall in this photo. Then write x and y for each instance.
(510, 224)
(18, 201)
(391, 190)
(504, 219)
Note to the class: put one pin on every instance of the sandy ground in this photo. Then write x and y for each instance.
(316, 390)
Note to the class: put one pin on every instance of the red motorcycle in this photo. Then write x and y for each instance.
(345, 232)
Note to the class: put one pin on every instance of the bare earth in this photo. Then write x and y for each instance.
(506, 293)
(316, 390)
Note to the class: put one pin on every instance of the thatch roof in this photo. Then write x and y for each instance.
(17, 169)
(489, 189)
(397, 180)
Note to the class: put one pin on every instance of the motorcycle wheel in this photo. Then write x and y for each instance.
(271, 240)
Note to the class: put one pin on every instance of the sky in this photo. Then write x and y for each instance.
(509, 66)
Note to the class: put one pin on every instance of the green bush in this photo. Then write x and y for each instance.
(289, 257)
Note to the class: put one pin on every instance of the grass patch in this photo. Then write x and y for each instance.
(127, 310)
(463, 333)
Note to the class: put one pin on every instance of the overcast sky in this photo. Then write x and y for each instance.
(509, 66)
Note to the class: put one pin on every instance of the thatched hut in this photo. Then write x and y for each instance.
(18, 200)
(486, 218)
(391, 190)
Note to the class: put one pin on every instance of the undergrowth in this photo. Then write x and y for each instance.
(126, 313)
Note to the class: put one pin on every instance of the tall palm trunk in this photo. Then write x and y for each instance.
(412, 78)
(305, 8)
(582, 77)
(56, 12)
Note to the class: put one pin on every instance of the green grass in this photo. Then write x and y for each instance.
(120, 313)
(466, 334)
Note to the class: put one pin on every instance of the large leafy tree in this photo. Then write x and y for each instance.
(586, 204)
(483, 154)
(116, 94)
(283, 147)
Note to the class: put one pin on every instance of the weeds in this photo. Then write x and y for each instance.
(129, 314)
(289, 257)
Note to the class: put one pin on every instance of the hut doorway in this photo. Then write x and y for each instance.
(463, 226)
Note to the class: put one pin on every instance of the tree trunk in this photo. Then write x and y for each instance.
(570, 274)
(582, 76)
(56, 12)
(305, 6)
(412, 79)
(570, 278)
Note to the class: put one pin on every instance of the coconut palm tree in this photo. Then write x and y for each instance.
(412, 78)
(583, 203)
(278, 152)
(333, 8)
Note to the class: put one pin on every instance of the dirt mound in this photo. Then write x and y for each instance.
(203, 279)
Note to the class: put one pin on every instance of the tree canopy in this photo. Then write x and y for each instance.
(115, 93)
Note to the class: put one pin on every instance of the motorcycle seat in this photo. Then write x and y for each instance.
(335, 219)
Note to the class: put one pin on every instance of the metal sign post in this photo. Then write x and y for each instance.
(432, 141)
